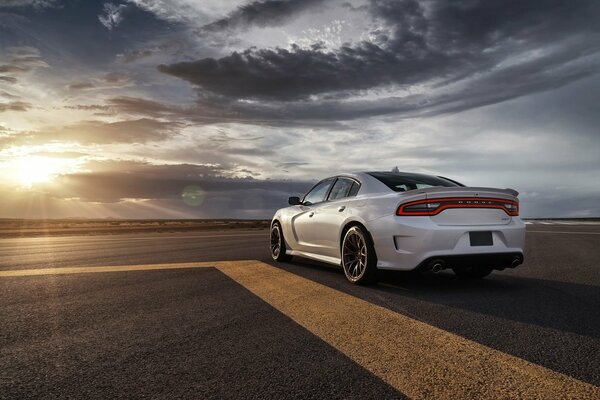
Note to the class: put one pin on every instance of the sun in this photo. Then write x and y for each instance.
(32, 170)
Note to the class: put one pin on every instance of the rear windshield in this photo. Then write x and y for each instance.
(403, 182)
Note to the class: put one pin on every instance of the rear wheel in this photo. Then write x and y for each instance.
(472, 272)
(278, 244)
(358, 257)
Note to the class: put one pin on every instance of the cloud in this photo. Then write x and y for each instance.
(22, 60)
(114, 181)
(8, 95)
(11, 69)
(136, 105)
(8, 79)
(112, 15)
(15, 106)
(230, 107)
(261, 13)
(110, 80)
(59, 154)
(142, 189)
(139, 54)
(215, 110)
(205, 112)
(420, 60)
(24, 3)
(283, 74)
(135, 55)
(116, 78)
(197, 12)
(142, 130)
(89, 107)
(81, 86)
(131, 131)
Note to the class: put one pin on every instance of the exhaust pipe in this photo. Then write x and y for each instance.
(516, 262)
(437, 266)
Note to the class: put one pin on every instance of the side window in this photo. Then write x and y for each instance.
(423, 186)
(318, 193)
(354, 189)
(341, 188)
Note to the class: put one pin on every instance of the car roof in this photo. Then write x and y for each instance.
(370, 183)
(400, 173)
(371, 174)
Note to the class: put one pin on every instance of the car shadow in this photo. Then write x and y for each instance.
(564, 306)
(551, 323)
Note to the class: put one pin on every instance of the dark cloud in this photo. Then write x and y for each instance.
(298, 73)
(471, 53)
(261, 13)
(27, 3)
(128, 184)
(113, 181)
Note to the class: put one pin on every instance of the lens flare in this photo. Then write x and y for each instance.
(193, 195)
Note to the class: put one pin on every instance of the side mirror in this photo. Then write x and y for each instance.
(294, 201)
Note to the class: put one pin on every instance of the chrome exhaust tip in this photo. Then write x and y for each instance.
(437, 266)
(516, 262)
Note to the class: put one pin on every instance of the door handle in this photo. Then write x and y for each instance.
(341, 208)
(311, 214)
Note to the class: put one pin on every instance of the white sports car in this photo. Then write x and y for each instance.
(370, 221)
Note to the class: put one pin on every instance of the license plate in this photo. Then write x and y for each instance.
(481, 238)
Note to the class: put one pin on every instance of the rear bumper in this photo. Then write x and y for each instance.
(492, 260)
(407, 243)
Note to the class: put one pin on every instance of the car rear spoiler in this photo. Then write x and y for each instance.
(436, 189)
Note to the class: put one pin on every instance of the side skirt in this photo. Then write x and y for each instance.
(327, 259)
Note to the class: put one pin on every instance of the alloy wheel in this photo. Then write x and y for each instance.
(275, 241)
(354, 255)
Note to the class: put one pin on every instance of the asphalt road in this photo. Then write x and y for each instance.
(225, 333)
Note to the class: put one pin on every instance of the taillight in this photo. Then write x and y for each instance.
(436, 206)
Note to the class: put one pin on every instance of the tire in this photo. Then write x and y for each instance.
(472, 272)
(359, 261)
(277, 245)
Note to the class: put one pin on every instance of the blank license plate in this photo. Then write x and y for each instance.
(481, 238)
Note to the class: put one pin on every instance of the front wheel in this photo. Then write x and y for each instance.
(278, 244)
(358, 257)
(472, 272)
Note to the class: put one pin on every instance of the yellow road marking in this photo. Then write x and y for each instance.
(417, 359)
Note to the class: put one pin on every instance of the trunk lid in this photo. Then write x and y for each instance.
(470, 206)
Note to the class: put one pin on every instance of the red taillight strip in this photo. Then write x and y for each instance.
(456, 202)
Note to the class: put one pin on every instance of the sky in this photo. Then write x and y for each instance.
(223, 109)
